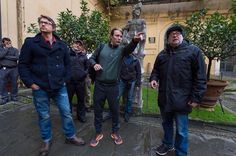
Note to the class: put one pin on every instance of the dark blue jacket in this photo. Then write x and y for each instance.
(131, 70)
(47, 67)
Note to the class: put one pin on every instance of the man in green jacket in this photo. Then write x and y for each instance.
(106, 62)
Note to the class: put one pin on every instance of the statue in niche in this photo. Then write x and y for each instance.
(134, 26)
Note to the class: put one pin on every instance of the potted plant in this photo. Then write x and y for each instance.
(215, 35)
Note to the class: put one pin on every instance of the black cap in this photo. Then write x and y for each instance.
(174, 27)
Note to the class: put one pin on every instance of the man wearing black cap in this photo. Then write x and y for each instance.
(76, 84)
(179, 73)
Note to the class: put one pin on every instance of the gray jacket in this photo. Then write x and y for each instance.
(8, 57)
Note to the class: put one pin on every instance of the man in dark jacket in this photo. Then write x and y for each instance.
(8, 71)
(130, 77)
(44, 66)
(106, 61)
(179, 70)
(76, 85)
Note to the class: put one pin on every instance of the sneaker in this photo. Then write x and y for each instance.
(163, 149)
(117, 138)
(94, 142)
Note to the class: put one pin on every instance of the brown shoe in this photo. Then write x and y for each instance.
(44, 150)
(75, 141)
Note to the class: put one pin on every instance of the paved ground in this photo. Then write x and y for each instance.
(19, 135)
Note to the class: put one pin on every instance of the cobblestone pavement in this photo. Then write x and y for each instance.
(19, 135)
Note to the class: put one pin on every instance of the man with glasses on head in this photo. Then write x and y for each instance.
(179, 73)
(44, 66)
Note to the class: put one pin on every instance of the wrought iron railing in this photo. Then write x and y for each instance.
(152, 1)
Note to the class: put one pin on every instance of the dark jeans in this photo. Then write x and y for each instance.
(78, 88)
(181, 136)
(8, 75)
(103, 92)
(129, 87)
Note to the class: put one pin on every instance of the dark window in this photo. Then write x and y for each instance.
(151, 40)
(228, 66)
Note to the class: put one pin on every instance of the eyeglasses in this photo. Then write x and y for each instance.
(45, 22)
(175, 33)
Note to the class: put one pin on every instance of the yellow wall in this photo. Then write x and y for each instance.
(159, 17)
(8, 20)
(30, 10)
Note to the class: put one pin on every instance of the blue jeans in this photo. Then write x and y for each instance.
(129, 87)
(181, 136)
(41, 102)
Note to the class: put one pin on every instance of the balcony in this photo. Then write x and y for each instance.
(126, 2)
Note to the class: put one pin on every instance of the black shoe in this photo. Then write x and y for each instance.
(126, 117)
(82, 119)
(163, 149)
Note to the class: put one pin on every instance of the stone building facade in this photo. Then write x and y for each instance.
(16, 16)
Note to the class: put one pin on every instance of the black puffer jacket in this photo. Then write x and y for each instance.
(79, 66)
(181, 75)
